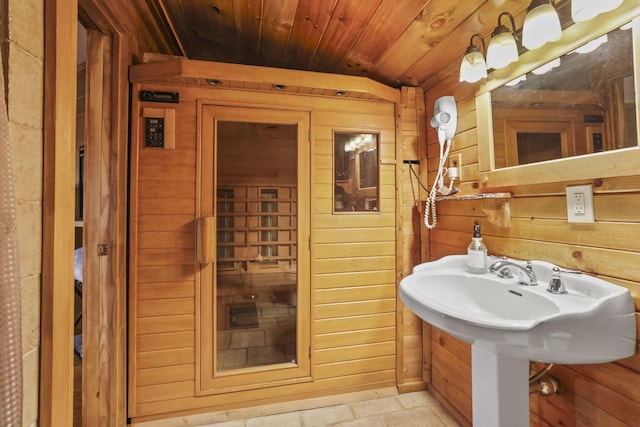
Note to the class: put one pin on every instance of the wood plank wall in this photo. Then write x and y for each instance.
(411, 146)
(603, 394)
(353, 263)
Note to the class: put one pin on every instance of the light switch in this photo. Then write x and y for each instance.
(580, 203)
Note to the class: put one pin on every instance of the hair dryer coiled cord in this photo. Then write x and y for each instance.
(430, 204)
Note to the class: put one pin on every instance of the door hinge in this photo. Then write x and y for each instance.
(309, 242)
(309, 352)
(309, 135)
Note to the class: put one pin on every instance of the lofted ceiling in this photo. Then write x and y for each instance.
(395, 42)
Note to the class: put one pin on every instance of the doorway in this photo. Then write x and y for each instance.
(78, 258)
(255, 295)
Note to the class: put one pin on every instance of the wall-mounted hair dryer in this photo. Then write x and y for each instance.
(445, 121)
(445, 118)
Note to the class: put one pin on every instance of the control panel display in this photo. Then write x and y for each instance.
(154, 132)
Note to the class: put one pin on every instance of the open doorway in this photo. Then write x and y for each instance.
(78, 259)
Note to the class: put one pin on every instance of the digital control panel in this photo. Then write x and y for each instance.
(154, 132)
(159, 128)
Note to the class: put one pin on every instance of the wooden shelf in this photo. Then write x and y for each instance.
(479, 196)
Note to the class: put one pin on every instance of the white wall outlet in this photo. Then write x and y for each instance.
(580, 203)
(455, 161)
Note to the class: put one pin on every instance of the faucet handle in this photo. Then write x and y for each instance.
(555, 283)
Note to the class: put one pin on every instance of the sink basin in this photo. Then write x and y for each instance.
(594, 322)
(508, 324)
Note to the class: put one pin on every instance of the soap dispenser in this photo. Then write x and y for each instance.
(477, 253)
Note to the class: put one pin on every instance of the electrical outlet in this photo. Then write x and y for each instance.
(580, 203)
(455, 161)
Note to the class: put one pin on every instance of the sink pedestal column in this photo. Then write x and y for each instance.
(500, 387)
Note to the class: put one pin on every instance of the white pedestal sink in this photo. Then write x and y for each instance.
(500, 389)
(509, 324)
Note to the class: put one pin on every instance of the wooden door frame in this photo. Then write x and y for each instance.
(58, 213)
(106, 173)
(104, 389)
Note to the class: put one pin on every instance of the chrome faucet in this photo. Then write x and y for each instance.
(556, 284)
(502, 269)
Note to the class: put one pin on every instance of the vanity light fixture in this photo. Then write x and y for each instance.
(503, 49)
(473, 66)
(585, 10)
(592, 45)
(541, 25)
(517, 80)
(547, 67)
(350, 146)
(360, 142)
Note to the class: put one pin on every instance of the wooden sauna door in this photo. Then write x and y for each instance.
(253, 327)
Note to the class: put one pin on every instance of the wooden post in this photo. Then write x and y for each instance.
(56, 366)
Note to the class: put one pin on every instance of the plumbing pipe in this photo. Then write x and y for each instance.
(545, 386)
(535, 377)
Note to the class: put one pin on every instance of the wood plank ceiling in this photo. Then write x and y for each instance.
(395, 42)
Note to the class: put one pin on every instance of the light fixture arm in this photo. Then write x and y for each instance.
(536, 3)
(473, 48)
(501, 28)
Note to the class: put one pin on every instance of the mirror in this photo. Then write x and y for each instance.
(356, 172)
(600, 141)
(582, 102)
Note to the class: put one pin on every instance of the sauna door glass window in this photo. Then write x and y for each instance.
(356, 172)
(251, 293)
(256, 244)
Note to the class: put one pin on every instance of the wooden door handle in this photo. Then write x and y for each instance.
(205, 240)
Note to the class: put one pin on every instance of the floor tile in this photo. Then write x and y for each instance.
(376, 407)
(417, 409)
(326, 416)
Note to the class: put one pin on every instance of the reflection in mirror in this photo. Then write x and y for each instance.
(355, 172)
(580, 103)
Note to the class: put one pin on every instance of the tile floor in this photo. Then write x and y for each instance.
(406, 410)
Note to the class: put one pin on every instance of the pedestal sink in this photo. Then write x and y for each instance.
(508, 324)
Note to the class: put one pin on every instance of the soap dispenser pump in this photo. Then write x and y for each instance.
(477, 253)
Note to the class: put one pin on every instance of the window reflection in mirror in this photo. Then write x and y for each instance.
(356, 172)
(580, 103)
